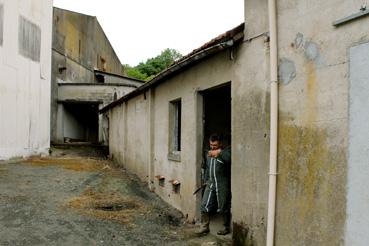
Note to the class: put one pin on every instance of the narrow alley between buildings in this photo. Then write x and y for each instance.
(77, 197)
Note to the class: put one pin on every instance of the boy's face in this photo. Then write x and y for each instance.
(214, 145)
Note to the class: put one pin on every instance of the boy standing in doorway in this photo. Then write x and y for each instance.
(217, 177)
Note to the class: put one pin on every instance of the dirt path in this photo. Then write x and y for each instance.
(71, 200)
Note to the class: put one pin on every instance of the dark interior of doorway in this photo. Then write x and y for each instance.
(217, 113)
(217, 119)
(81, 122)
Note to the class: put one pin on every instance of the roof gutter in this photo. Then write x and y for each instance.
(176, 68)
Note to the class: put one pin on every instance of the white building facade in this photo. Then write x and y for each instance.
(25, 72)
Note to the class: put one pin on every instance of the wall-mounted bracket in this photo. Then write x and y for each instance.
(363, 12)
(176, 185)
(160, 179)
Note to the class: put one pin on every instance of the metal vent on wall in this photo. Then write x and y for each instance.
(29, 37)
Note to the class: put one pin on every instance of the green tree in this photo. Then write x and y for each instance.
(147, 70)
(133, 72)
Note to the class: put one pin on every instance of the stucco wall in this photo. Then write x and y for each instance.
(249, 100)
(250, 130)
(186, 85)
(116, 133)
(137, 144)
(25, 65)
(128, 139)
(79, 47)
(313, 144)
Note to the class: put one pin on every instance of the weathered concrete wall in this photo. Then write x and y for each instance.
(128, 131)
(250, 138)
(216, 70)
(137, 147)
(80, 93)
(213, 72)
(357, 222)
(91, 92)
(314, 71)
(317, 190)
(105, 52)
(117, 133)
(80, 46)
(25, 65)
(250, 130)
(80, 38)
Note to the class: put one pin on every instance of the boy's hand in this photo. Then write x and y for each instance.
(214, 153)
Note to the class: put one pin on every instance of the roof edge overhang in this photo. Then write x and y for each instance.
(223, 42)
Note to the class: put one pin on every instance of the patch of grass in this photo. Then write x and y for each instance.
(74, 164)
(3, 170)
(107, 206)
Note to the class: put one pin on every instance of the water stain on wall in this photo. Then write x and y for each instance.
(242, 235)
(251, 132)
(311, 99)
(311, 178)
(287, 70)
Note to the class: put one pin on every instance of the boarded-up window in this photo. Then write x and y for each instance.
(1, 24)
(29, 39)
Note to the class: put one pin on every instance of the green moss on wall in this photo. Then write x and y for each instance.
(311, 187)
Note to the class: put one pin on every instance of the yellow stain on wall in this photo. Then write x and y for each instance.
(72, 41)
(311, 186)
(311, 104)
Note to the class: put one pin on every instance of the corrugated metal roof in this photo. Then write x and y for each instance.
(221, 42)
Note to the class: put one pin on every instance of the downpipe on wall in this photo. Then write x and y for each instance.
(273, 121)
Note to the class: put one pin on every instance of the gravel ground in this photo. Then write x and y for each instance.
(73, 199)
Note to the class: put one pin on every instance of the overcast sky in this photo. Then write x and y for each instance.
(140, 29)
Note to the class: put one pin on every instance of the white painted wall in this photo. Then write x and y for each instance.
(24, 83)
(357, 222)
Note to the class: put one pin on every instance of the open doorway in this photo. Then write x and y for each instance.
(81, 122)
(217, 113)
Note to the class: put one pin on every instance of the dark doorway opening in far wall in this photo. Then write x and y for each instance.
(81, 122)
